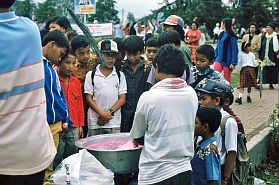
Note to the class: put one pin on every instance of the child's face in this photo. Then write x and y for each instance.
(150, 52)
(109, 60)
(201, 62)
(83, 54)
(133, 58)
(198, 127)
(55, 53)
(205, 100)
(67, 65)
(53, 26)
(248, 49)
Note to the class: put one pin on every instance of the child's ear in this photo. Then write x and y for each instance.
(217, 101)
(206, 127)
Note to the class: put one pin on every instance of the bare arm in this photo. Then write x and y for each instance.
(120, 102)
(229, 165)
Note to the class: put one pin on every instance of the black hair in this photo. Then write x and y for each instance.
(133, 44)
(151, 42)
(180, 31)
(208, 51)
(230, 96)
(6, 3)
(214, 96)
(169, 37)
(120, 44)
(79, 41)
(245, 45)
(132, 29)
(58, 37)
(52, 19)
(211, 116)
(148, 36)
(70, 34)
(170, 60)
(258, 31)
(196, 23)
(69, 52)
(63, 22)
(228, 25)
(43, 33)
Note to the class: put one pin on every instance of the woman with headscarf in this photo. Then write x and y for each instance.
(269, 48)
(192, 38)
(226, 50)
(254, 38)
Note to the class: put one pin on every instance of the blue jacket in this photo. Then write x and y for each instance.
(57, 109)
(232, 51)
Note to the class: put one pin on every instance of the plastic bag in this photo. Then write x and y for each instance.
(82, 169)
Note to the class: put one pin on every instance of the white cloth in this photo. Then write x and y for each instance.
(246, 59)
(231, 132)
(105, 93)
(166, 118)
(216, 30)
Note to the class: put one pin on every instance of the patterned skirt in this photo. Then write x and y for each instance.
(247, 77)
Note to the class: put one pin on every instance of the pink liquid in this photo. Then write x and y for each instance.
(113, 145)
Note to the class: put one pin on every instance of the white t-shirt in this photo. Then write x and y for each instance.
(105, 93)
(152, 80)
(216, 30)
(231, 131)
(246, 59)
(166, 119)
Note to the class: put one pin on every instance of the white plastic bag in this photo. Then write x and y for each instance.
(82, 169)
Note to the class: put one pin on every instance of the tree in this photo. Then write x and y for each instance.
(46, 10)
(130, 17)
(24, 8)
(105, 12)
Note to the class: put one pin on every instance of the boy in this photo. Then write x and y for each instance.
(26, 144)
(204, 58)
(151, 49)
(55, 46)
(168, 136)
(206, 161)
(171, 37)
(73, 96)
(136, 73)
(105, 93)
(212, 93)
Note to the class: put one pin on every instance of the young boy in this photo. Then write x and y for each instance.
(136, 73)
(212, 93)
(26, 146)
(206, 161)
(73, 96)
(105, 93)
(168, 135)
(55, 46)
(204, 58)
(171, 37)
(151, 49)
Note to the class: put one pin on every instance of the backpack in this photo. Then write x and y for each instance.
(242, 172)
(94, 71)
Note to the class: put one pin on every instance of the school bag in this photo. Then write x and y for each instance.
(242, 172)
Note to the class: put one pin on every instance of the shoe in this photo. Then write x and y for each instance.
(238, 100)
(271, 86)
(249, 100)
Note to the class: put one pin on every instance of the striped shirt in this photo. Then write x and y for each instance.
(57, 109)
(165, 116)
(26, 144)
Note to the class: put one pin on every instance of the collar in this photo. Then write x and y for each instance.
(203, 143)
(142, 63)
(8, 16)
(101, 74)
(205, 71)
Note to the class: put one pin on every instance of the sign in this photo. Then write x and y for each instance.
(96, 30)
(85, 6)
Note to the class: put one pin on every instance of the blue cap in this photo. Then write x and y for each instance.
(210, 86)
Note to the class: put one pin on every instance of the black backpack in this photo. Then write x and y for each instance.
(94, 71)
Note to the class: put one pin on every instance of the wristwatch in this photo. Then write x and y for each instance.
(111, 111)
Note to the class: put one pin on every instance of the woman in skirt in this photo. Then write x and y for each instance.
(246, 62)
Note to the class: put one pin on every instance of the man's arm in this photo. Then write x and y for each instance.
(228, 166)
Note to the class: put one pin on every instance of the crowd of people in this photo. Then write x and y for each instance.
(167, 91)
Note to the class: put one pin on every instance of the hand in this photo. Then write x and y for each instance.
(232, 67)
(105, 116)
(64, 127)
(135, 143)
(213, 149)
(80, 132)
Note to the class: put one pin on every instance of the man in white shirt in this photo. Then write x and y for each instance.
(216, 32)
(165, 121)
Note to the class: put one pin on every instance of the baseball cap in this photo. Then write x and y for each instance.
(108, 46)
(210, 86)
(174, 20)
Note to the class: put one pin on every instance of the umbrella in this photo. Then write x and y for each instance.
(86, 32)
(261, 78)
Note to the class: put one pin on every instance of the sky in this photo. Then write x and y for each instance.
(139, 8)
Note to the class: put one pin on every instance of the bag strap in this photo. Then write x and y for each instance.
(92, 75)
(222, 126)
(187, 69)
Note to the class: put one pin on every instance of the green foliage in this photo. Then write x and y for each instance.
(105, 12)
(24, 8)
(46, 10)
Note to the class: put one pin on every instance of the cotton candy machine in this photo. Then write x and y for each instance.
(115, 151)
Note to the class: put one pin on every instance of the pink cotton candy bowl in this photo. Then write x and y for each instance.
(115, 151)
